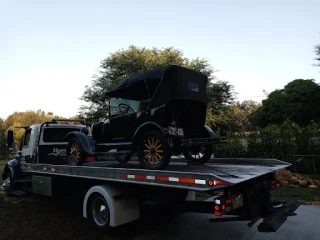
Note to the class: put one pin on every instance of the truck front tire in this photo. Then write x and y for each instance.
(9, 185)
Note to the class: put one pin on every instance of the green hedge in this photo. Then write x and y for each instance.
(280, 142)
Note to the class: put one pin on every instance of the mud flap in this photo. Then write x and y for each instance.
(279, 216)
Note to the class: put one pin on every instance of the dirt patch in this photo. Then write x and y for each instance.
(30, 218)
(36, 217)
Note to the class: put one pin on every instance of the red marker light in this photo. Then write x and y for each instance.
(216, 207)
(228, 201)
(210, 182)
(173, 124)
(223, 207)
(273, 182)
(217, 213)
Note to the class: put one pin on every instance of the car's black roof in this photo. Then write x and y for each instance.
(156, 73)
(162, 84)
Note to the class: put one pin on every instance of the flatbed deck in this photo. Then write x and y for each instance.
(217, 173)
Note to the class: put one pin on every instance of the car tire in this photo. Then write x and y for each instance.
(75, 152)
(191, 154)
(154, 146)
(123, 158)
(99, 212)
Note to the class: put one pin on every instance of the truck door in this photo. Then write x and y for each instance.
(26, 150)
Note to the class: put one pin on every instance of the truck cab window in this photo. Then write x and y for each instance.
(56, 135)
(26, 139)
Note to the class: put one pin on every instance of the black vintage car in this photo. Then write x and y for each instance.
(153, 114)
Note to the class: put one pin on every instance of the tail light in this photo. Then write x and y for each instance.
(173, 124)
(226, 204)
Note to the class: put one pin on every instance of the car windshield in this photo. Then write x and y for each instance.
(119, 106)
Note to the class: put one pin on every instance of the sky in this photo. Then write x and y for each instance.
(50, 50)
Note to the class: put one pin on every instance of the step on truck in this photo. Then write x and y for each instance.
(114, 193)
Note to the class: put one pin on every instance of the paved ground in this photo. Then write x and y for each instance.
(306, 226)
(38, 218)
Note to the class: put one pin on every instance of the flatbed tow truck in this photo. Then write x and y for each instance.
(156, 132)
(114, 191)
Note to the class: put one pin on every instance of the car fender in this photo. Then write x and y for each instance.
(149, 124)
(209, 130)
(87, 143)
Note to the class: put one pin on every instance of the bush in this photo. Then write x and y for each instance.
(279, 142)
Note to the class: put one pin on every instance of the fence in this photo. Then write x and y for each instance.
(301, 164)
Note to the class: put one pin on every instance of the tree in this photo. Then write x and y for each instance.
(21, 119)
(124, 63)
(317, 51)
(3, 149)
(239, 113)
(298, 102)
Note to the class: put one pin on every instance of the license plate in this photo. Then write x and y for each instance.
(237, 201)
(175, 131)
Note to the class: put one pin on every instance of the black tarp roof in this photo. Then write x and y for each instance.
(153, 74)
(169, 82)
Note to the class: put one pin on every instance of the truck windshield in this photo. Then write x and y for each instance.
(57, 134)
(115, 102)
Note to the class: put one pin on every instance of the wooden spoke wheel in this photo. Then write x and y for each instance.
(75, 153)
(153, 151)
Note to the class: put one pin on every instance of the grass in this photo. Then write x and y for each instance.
(2, 163)
(302, 194)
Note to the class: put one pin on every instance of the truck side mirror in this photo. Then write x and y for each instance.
(10, 140)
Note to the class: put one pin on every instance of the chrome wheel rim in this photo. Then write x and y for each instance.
(100, 211)
(6, 183)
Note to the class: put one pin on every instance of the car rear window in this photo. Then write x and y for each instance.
(57, 134)
(193, 86)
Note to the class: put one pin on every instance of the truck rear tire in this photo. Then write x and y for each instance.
(153, 151)
(75, 152)
(98, 212)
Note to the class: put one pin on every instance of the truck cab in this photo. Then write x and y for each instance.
(45, 142)
(42, 143)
